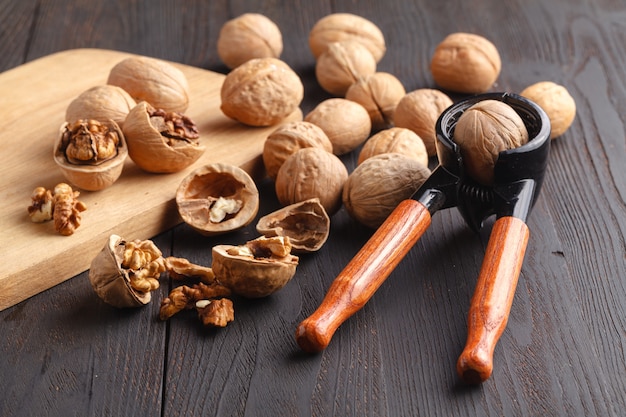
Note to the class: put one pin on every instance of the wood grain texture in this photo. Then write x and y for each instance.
(562, 352)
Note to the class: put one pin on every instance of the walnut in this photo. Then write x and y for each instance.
(215, 313)
(342, 64)
(306, 224)
(248, 36)
(160, 141)
(346, 123)
(184, 297)
(379, 93)
(91, 153)
(261, 92)
(465, 63)
(256, 269)
(419, 111)
(124, 273)
(180, 268)
(41, 207)
(312, 173)
(217, 198)
(395, 140)
(346, 26)
(379, 184)
(148, 79)
(102, 102)
(482, 132)
(289, 138)
(66, 209)
(556, 101)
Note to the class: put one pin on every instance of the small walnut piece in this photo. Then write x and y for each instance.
(41, 207)
(185, 297)
(125, 272)
(160, 141)
(306, 224)
(102, 102)
(556, 101)
(465, 63)
(215, 313)
(91, 153)
(312, 173)
(482, 132)
(379, 184)
(346, 123)
(419, 110)
(379, 93)
(342, 64)
(257, 269)
(346, 26)
(217, 198)
(261, 92)
(289, 138)
(248, 36)
(395, 140)
(148, 79)
(66, 209)
(181, 268)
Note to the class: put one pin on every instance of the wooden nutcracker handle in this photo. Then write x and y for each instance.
(364, 274)
(491, 303)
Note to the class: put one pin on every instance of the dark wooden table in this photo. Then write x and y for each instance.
(64, 352)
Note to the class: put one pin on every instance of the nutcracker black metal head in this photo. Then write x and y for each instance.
(519, 172)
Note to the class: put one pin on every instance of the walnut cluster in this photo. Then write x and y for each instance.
(60, 204)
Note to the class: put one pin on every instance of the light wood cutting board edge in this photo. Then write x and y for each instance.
(33, 99)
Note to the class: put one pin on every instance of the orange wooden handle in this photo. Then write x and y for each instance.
(360, 279)
(493, 297)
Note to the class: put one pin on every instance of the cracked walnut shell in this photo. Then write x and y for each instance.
(261, 92)
(257, 269)
(217, 198)
(160, 141)
(149, 79)
(90, 153)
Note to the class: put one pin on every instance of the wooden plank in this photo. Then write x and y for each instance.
(33, 99)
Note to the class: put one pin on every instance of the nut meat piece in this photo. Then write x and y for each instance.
(41, 207)
(215, 313)
(184, 297)
(66, 209)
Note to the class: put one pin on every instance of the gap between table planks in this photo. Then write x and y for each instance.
(33, 99)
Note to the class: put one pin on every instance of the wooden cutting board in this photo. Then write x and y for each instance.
(33, 99)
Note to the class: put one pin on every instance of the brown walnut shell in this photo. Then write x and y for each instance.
(306, 224)
(556, 101)
(395, 140)
(261, 92)
(250, 275)
(92, 177)
(199, 204)
(341, 65)
(112, 282)
(101, 102)
(148, 79)
(151, 150)
(379, 93)
(379, 184)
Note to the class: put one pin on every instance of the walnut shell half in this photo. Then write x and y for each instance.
(306, 224)
(217, 198)
(257, 269)
(93, 173)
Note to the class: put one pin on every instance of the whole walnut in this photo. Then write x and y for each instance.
(249, 36)
(342, 64)
(102, 102)
(482, 132)
(379, 93)
(556, 101)
(419, 111)
(395, 140)
(148, 79)
(465, 63)
(346, 123)
(311, 173)
(341, 26)
(379, 184)
(287, 139)
(261, 92)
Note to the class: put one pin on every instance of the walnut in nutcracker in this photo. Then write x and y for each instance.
(261, 92)
(91, 153)
(158, 82)
(248, 36)
(161, 141)
(379, 94)
(482, 132)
